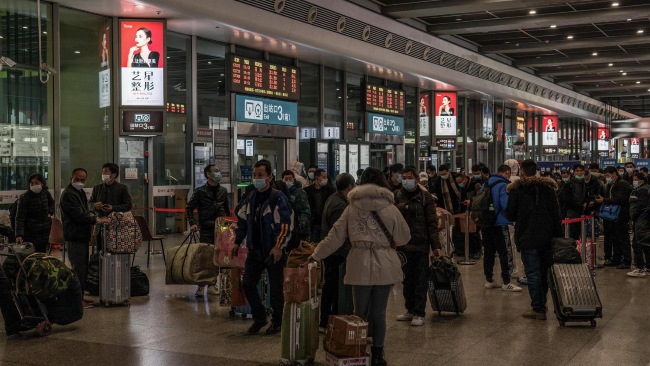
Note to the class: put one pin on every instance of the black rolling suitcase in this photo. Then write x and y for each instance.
(574, 294)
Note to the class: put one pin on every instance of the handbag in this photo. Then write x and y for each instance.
(610, 212)
(139, 282)
(400, 255)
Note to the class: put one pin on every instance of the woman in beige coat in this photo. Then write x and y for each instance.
(373, 267)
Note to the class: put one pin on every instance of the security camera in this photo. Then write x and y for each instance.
(48, 69)
(4, 60)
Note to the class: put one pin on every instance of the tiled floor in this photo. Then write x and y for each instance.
(172, 327)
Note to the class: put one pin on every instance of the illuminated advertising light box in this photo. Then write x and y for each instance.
(549, 130)
(603, 139)
(142, 58)
(445, 111)
(425, 114)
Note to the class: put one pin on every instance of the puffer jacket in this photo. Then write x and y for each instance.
(618, 193)
(77, 218)
(208, 205)
(533, 206)
(640, 214)
(371, 260)
(300, 202)
(574, 196)
(32, 220)
(419, 211)
(499, 198)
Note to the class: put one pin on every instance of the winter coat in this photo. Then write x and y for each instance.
(116, 195)
(208, 205)
(640, 214)
(574, 195)
(499, 198)
(77, 218)
(32, 220)
(334, 208)
(300, 202)
(455, 200)
(594, 188)
(533, 206)
(420, 214)
(371, 260)
(618, 193)
(315, 207)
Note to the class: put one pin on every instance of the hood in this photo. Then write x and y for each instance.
(529, 182)
(496, 178)
(297, 167)
(370, 197)
(297, 184)
(514, 166)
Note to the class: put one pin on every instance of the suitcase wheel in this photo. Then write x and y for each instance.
(244, 316)
(593, 323)
(44, 328)
(562, 323)
(232, 313)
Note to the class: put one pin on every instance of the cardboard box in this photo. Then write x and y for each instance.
(341, 350)
(347, 330)
(332, 360)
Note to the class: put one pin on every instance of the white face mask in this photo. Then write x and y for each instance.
(216, 176)
(106, 178)
(78, 185)
(444, 176)
(289, 184)
(36, 188)
(323, 182)
(310, 175)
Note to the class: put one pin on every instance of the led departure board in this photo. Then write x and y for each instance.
(263, 78)
(380, 99)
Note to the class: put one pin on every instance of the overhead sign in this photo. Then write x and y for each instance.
(445, 109)
(262, 110)
(249, 148)
(549, 130)
(308, 133)
(388, 125)
(425, 114)
(640, 163)
(603, 139)
(264, 78)
(446, 143)
(550, 150)
(380, 99)
(604, 163)
(142, 122)
(548, 166)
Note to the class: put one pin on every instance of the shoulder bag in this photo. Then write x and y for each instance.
(401, 255)
(609, 212)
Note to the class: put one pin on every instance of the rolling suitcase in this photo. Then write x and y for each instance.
(238, 298)
(114, 277)
(446, 291)
(574, 294)
(299, 339)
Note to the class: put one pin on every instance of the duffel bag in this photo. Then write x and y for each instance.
(139, 282)
(92, 279)
(123, 234)
(191, 263)
(66, 307)
(47, 276)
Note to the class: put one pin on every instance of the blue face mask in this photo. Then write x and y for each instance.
(408, 184)
(259, 183)
(461, 185)
(635, 183)
(579, 177)
(609, 180)
(399, 178)
(566, 180)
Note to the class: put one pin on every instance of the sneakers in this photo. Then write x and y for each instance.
(257, 326)
(199, 292)
(637, 273)
(510, 287)
(532, 314)
(212, 290)
(522, 281)
(491, 285)
(87, 304)
(274, 329)
(417, 321)
(405, 317)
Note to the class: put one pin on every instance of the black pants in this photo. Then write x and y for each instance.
(255, 265)
(495, 239)
(415, 285)
(78, 255)
(575, 231)
(40, 242)
(617, 241)
(7, 306)
(641, 255)
(330, 297)
(206, 235)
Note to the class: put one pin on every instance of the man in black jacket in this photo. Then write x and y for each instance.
(77, 225)
(574, 196)
(532, 204)
(617, 238)
(334, 207)
(109, 196)
(318, 193)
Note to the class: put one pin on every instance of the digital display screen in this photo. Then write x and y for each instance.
(262, 78)
(380, 99)
(446, 144)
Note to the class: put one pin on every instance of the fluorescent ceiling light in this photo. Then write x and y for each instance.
(569, 37)
(532, 12)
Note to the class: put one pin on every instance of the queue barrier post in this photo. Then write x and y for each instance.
(466, 260)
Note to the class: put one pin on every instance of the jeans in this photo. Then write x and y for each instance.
(7, 306)
(495, 239)
(617, 241)
(78, 255)
(370, 303)
(536, 268)
(641, 255)
(255, 265)
(330, 297)
(415, 285)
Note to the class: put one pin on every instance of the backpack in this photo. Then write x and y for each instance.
(482, 208)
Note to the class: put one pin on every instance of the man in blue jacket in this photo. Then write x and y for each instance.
(497, 238)
(265, 220)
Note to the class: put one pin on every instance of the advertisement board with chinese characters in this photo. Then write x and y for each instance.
(264, 79)
(388, 125)
(446, 143)
(488, 126)
(550, 150)
(104, 66)
(634, 147)
(425, 114)
(142, 123)
(445, 109)
(549, 130)
(142, 56)
(603, 139)
(262, 110)
(381, 99)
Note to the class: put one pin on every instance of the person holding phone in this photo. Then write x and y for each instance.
(140, 55)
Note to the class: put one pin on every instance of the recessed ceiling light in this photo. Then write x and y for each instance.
(569, 37)
(168, 57)
(625, 73)
(648, 89)
(24, 27)
(638, 82)
(209, 62)
(77, 52)
(629, 20)
(507, 42)
(532, 12)
(640, 31)
(553, 26)
(610, 65)
(614, 4)
(595, 54)
(220, 74)
(138, 6)
(620, 70)
(459, 19)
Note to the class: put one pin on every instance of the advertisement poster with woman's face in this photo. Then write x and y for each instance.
(603, 139)
(549, 131)
(424, 110)
(104, 66)
(141, 56)
(634, 146)
(488, 128)
(445, 110)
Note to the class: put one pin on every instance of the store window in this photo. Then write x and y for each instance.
(86, 134)
(356, 118)
(210, 81)
(25, 109)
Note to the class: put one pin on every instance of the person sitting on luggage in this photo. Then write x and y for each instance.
(109, 196)
(78, 222)
(419, 211)
(372, 267)
(34, 209)
(318, 193)
(264, 219)
(333, 210)
(532, 204)
(211, 202)
(617, 237)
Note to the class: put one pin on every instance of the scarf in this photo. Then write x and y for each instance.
(446, 195)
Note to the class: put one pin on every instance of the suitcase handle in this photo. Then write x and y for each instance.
(312, 299)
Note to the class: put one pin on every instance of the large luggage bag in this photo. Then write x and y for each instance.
(114, 279)
(446, 292)
(574, 294)
(238, 298)
(299, 339)
(191, 263)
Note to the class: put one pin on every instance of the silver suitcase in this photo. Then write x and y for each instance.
(115, 279)
(574, 294)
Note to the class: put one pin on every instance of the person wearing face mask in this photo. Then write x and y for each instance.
(594, 171)
(630, 171)
(264, 219)
(298, 169)
(617, 238)
(310, 175)
(78, 222)
(594, 188)
(644, 171)
(211, 202)
(109, 196)
(419, 211)
(34, 209)
(447, 191)
(641, 223)
(395, 177)
(318, 193)
(301, 210)
(574, 198)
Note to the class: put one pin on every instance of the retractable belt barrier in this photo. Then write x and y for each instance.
(583, 232)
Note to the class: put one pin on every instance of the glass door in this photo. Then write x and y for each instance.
(134, 167)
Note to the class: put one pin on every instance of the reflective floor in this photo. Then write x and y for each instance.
(172, 327)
